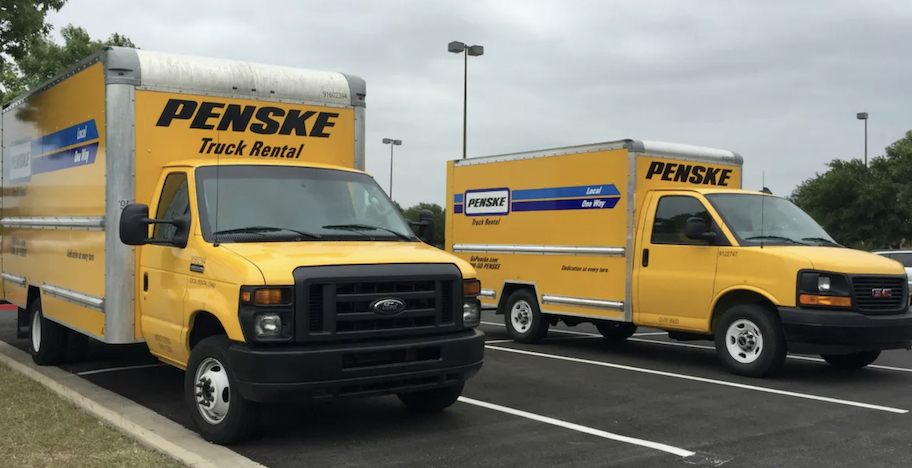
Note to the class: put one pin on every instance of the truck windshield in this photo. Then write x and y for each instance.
(771, 220)
(257, 203)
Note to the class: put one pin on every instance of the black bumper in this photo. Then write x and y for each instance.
(360, 369)
(839, 332)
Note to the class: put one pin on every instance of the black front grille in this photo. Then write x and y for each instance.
(337, 301)
(875, 295)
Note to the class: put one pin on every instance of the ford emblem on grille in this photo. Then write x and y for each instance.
(881, 292)
(388, 306)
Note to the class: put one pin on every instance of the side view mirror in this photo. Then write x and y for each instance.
(135, 222)
(696, 229)
(426, 226)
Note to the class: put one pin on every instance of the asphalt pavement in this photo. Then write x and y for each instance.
(574, 401)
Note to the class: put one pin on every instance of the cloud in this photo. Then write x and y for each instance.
(776, 81)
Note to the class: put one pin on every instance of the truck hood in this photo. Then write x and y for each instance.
(277, 260)
(842, 260)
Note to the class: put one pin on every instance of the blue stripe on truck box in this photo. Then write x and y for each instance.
(79, 133)
(36, 159)
(580, 197)
(608, 190)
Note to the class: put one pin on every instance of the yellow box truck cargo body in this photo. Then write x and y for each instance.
(81, 147)
(563, 220)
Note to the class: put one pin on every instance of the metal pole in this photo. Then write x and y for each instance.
(866, 142)
(391, 170)
(465, 100)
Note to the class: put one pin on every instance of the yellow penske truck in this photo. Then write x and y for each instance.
(218, 212)
(631, 233)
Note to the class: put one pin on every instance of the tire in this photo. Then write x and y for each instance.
(432, 401)
(616, 332)
(233, 419)
(851, 361)
(47, 339)
(750, 341)
(523, 318)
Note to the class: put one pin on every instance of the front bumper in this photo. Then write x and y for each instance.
(359, 369)
(815, 331)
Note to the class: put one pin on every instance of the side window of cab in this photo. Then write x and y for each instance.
(174, 202)
(671, 217)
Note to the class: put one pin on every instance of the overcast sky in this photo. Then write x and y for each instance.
(777, 81)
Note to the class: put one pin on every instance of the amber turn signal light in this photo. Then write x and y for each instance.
(830, 301)
(471, 287)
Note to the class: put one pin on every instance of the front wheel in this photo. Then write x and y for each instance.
(750, 341)
(851, 361)
(220, 413)
(430, 401)
(523, 318)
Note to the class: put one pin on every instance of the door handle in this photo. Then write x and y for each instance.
(645, 257)
(145, 281)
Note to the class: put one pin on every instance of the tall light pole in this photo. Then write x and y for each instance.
(864, 116)
(392, 143)
(457, 47)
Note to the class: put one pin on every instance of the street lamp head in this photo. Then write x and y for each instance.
(397, 142)
(476, 50)
(456, 47)
(388, 141)
(862, 116)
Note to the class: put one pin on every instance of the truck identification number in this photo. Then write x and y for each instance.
(669, 320)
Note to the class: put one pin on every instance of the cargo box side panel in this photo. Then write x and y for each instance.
(54, 199)
(556, 222)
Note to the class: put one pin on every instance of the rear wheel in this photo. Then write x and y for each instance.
(750, 341)
(430, 401)
(523, 318)
(47, 339)
(851, 361)
(616, 332)
(221, 415)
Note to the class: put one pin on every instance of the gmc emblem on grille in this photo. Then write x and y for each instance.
(388, 306)
(882, 292)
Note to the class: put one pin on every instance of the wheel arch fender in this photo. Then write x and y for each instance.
(740, 295)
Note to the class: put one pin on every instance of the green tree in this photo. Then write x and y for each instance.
(46, 58)
(866, 208)
(21, 22)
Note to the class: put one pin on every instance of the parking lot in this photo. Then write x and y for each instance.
(576, 401)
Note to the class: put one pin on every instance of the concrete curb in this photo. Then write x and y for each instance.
(146, 426)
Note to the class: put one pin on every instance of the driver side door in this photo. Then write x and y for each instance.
(675, 275)
(163, 270)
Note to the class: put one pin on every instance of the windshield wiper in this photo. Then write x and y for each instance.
(261, 229)
(355, 227)
(821, 240)
(786, 239)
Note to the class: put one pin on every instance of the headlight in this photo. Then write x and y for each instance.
(471, 306)
(823, 289)
(471, 312)
(266, 313)
(267, 325)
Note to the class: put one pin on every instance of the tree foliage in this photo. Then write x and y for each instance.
(866, 208)
(21, 22)
(46, 58)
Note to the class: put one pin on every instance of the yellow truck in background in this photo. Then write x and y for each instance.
(218, 212)
(630, 233)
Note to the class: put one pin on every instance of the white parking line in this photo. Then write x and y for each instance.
(790, 356)
(584, 429)
(114, 369)
(694, 346)
(703, 380)
(577, 333)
